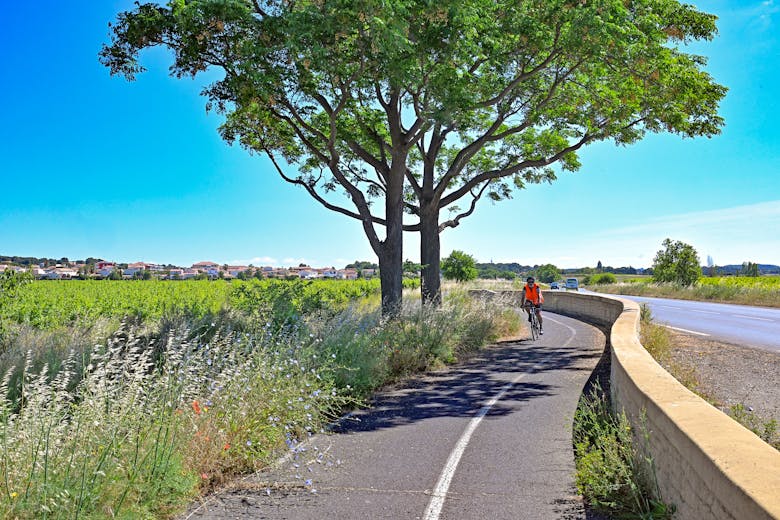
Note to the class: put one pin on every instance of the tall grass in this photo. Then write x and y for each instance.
(613, 472)
(144, 428)
(764, 290)
(370, 352)
(138, 425)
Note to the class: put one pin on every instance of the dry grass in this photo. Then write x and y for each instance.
(763, 291)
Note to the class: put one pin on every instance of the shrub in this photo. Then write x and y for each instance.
(602, 279)
(766, 429)
(678, 262)
(612, 474)
(459, 266)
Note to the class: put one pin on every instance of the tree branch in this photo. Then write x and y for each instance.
(512, 169)
(313, 192)
(554, 52)
(454, 222)
(489, 136)
(413, 182)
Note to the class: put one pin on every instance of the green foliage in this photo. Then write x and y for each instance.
(767, 430)
(47, 305)
(137, 437)
(645, 314)
(612, 474)
(360, 265)
(601, 279)
(10, 282)
(459, 266)
(655, 338)
(547, 273)
(411, 268)
(284, 302)
(499, 271)
(678, 262)
(750, 269)
(370, 352)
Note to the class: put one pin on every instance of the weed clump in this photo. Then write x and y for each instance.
(613, 475)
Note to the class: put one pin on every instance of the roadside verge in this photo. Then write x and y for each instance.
(707, 464)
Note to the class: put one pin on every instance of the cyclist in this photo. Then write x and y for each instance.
(532, 295)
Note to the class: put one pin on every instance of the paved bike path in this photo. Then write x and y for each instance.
(432, 448)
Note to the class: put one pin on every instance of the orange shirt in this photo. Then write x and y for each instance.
(533, 294)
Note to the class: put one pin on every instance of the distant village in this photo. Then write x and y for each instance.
(198, 271)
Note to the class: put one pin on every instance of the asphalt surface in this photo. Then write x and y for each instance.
(486, 439)
(738, 324)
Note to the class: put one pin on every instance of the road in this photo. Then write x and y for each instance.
(738, 324)
(486, 439)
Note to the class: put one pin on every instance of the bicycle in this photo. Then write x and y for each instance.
(535, 325)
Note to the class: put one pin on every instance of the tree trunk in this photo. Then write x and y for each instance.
(430, 255)
(391, 250)
(391, 277)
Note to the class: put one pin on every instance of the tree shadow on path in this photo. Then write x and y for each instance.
(462, 390)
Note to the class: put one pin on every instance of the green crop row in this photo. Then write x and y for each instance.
(46, 305)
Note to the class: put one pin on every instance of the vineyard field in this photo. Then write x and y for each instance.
(50, 304)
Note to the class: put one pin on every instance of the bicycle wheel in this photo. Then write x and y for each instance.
(534, 326)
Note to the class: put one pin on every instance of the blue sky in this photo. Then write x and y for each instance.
(92, 165)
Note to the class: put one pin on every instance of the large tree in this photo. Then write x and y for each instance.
(677, 262)
(547, 273)
(459, 266)
(513, 88)
(421, 105)
(316, 85)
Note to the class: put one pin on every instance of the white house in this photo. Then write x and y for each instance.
(135, 268)
(235, 270)
(189, 273)
(347, 274)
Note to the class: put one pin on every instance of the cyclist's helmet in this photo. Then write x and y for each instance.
(530, 279)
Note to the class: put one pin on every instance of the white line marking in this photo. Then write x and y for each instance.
(434, 508)
(573, 332)
(667, 307)
(686, 330)
(705, 312)
(752, 317)
(436, 503)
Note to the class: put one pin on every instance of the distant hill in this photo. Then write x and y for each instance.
(508, 271)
